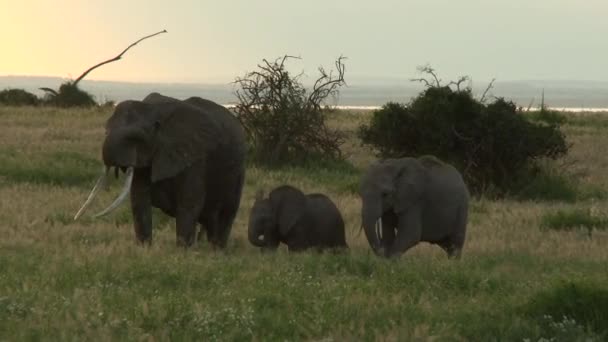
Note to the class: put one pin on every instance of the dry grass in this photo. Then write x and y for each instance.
(54, 272)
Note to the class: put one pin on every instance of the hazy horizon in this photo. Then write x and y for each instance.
(559, 94)
(217, 41)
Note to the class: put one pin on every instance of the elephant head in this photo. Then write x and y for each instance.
(272, 218)
(162, 136)
(389, 186)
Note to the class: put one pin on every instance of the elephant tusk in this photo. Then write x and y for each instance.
(121, 198)
(379, 228)
(101, 182)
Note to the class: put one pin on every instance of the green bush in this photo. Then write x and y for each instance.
(18, 97)
(69, 95)
(492, 144)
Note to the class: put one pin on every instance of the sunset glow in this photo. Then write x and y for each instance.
(217, 41)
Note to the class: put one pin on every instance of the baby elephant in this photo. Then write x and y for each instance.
(299, 221)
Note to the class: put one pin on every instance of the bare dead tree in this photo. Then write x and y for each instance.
(70, 95)
(327, 84)
(118, 57)
(281, 117)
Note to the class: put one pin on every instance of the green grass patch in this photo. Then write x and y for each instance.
(572, 310)
(60, 168)
(550, 185)
(595, 120)
(338, 175)
(548, 116)
(89, 280)
(242, 295)
(573, 219)
(121, 216)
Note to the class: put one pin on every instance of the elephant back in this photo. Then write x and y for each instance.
(324, 207)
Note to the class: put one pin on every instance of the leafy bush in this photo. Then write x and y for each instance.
(18, 97)
(492, 144)
(69, 95)
(284, 121)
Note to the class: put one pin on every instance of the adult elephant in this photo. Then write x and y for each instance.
(183, 157)
(298, 220)
(409, 200)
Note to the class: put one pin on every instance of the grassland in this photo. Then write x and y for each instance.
(87, 280)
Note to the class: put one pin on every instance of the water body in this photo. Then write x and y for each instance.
(359, 94)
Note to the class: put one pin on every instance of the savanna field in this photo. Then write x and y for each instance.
(519, 279)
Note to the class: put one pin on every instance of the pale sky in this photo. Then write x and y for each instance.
(215, 41)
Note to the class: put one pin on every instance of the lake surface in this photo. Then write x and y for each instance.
(565, 95)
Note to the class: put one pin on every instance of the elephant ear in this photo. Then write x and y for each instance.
(289, 205)
(184, 135)
(410, 184)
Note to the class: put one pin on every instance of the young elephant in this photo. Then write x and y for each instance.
(300, 221)
(409, 200)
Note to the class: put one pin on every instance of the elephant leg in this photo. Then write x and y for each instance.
(189, 204)
(224, 225)
(199, 236)
(409, 231)
(186, 226)
(141, 205)
(213, 229)
(228, 213)
(461, 229)
(450, 248)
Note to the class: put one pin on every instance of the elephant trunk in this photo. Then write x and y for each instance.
(255, 238)
(119, 147)
(370, 216)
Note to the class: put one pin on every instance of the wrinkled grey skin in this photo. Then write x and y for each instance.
(189, 162)
(418, 200)
(297, 220)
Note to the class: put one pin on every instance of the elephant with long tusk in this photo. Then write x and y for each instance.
(183, 157)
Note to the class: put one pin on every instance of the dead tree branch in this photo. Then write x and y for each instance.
(490, 86)
(458, 82)
(115, 58)
(426, 69)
